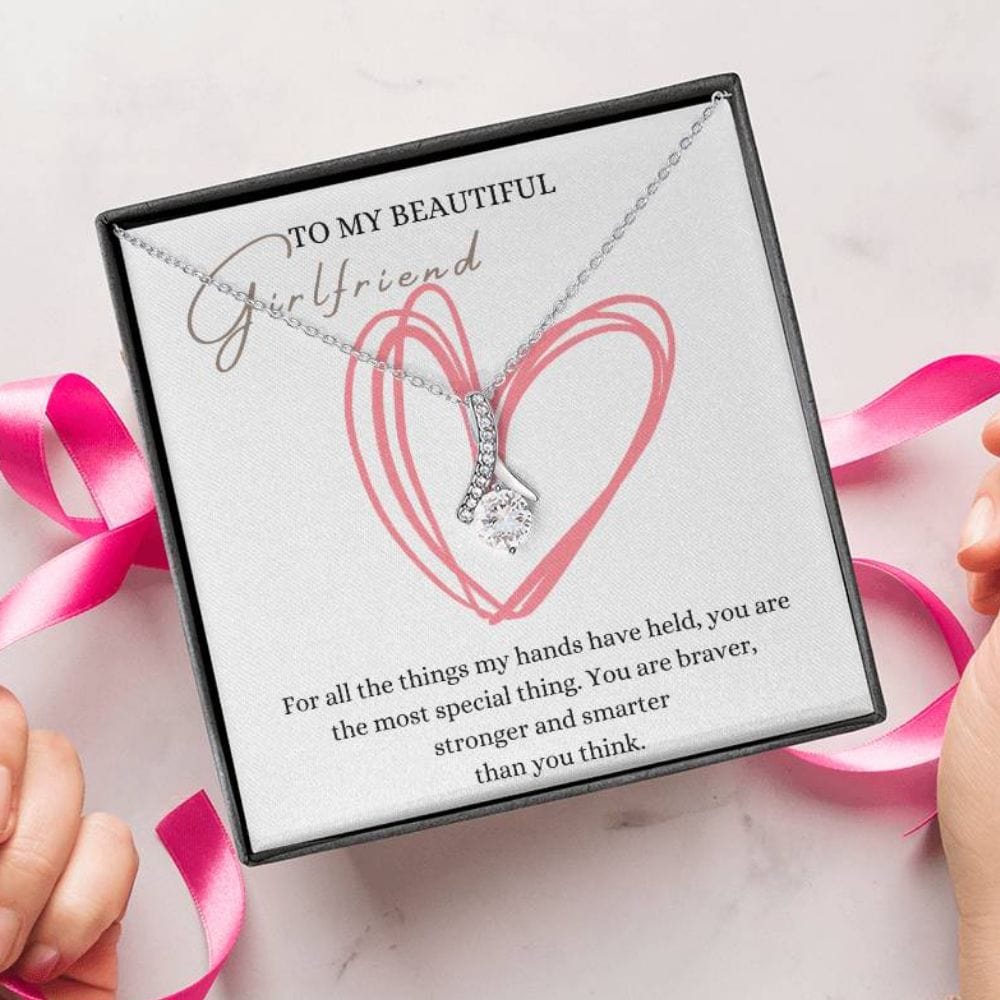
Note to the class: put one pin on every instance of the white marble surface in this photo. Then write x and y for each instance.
(759, 878)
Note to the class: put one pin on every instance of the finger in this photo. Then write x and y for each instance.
(90, 896)
(13, 748)
(95, 976)
(979, 545)
(36, 854)
(991, 435)
(984, 592)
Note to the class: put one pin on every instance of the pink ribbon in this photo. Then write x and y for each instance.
(126, 533)
(112, 468)
(925, 399)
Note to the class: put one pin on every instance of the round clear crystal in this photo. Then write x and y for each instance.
(503, 518)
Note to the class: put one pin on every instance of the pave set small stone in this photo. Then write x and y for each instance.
(482, 474)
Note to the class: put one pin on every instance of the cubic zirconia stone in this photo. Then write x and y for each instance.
(504, 519)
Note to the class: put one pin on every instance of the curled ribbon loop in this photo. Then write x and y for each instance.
(918, 740)
(114, 473)
(126, 532)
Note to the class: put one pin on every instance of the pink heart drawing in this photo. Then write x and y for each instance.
(452, 352)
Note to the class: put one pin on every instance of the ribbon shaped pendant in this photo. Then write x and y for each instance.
(495, 500)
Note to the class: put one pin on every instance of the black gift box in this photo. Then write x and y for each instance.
(410, 154)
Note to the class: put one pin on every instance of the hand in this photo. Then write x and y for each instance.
(969, 775)
(65, 880)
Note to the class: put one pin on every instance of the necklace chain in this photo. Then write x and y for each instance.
(522, 349)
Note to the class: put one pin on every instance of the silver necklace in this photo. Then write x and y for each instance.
(495, 498)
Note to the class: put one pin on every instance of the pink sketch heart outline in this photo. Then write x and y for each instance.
(458, 369)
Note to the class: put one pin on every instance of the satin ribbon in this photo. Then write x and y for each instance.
(924, 400)
(114, 472)
(126, 533)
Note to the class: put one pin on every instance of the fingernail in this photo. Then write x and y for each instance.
(10, 930)
(38, 963)
(6, 801)
(979, 522)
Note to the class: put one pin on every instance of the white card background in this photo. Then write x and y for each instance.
(299, 583)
